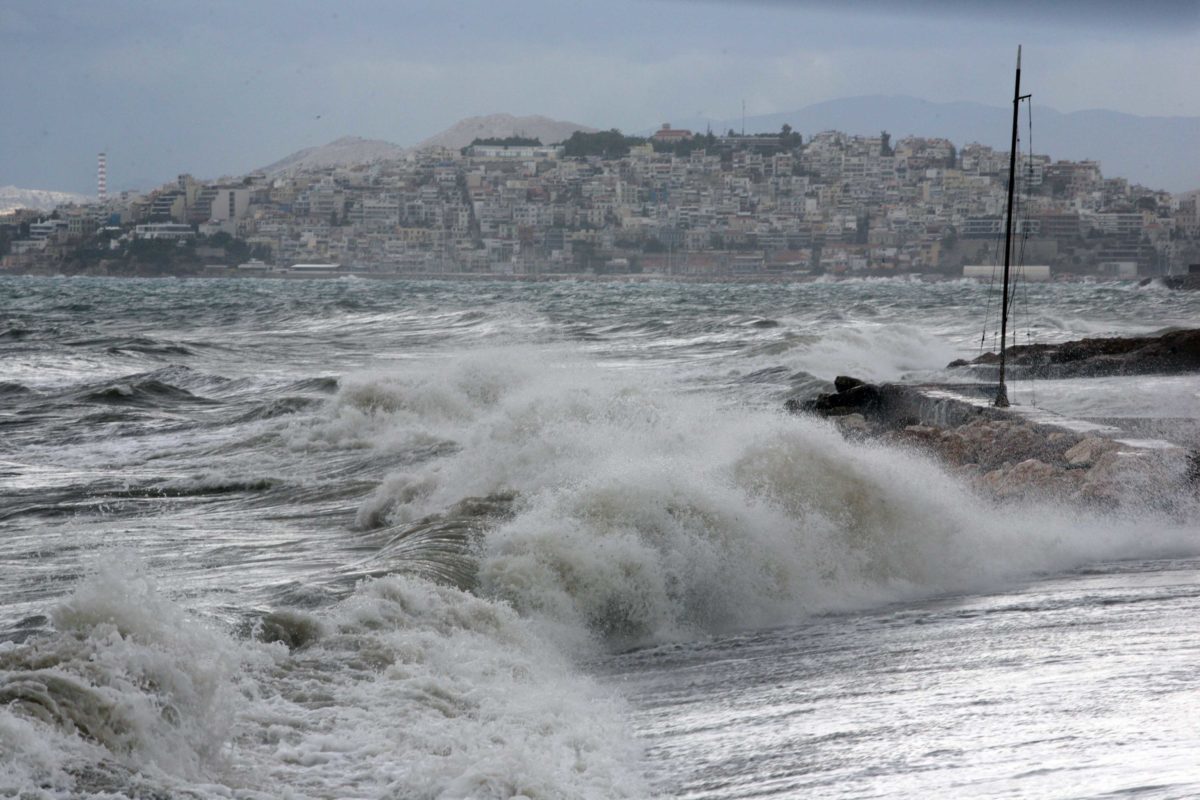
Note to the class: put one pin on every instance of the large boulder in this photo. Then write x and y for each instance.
(1151, 477)
(1087, 450)
(1030, 478)
(844, 383)
(863, 398)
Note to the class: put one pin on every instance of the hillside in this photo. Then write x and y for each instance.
(461, 134)
(355, 150)
(13, 197)
(1159, 152)
(341, 152)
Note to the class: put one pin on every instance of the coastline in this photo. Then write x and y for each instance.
(544, 277)
(1020, 452)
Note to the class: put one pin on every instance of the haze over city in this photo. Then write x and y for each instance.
(223, 88)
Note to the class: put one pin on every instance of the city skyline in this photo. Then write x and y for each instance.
(762, 206)
(224, 89)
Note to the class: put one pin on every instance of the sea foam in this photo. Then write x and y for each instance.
(645, 512)
(404, 688)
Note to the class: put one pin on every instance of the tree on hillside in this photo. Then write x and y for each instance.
(156, 252)
(508, 141)
(685, 147)
(788, 138)
(606, 144)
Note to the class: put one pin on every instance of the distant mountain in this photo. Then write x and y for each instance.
(351, 150)
(548, 131)
(13, 197)
(1158, 152)
(342, 152)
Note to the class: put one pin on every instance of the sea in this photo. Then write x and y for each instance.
(355, 538)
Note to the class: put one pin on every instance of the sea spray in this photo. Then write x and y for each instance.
(417, 690)
(308, 526)
(126, 683)
(873, 351)
(644, 512)
(404, 688)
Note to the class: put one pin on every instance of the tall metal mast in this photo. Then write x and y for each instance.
(1002, 392)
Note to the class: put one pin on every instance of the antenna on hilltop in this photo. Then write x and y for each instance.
(743, 116)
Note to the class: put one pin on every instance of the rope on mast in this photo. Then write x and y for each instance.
(987, 309)
(1025, 285)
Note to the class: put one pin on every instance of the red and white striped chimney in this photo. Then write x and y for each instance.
(102, 177)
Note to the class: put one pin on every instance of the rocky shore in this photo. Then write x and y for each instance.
(1007, 455)
(1189, 282)
(1171, 353)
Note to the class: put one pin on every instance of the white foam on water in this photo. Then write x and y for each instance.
(127, 688)
(403, 689)
(423, 691)
(874, 352)
(399, 411)
(646, 513)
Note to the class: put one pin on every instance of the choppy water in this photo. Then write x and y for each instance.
(355, 539)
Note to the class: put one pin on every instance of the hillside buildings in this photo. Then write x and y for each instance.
(676, 204)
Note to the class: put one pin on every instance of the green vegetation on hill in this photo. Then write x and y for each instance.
(506, 141)
(685, 147)
(606, 144)
(161, 256)
(614, 144)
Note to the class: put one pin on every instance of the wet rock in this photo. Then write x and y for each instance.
(1027, 478)
(1002, 453)
(844, 383)
(863, 397)
(923, 437)
(1189, 282)
(1169, 354)
(1143, 476)
(922, 433)
(956, 449)
(1014, 442)
(1085, 453)
(853, 425)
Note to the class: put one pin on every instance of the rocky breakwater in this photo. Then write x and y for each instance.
(1007, 455)
(1171, 353)
(1189, 282)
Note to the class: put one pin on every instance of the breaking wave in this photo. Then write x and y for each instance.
(405, 688)
(643, 513)
(392, 582)
(127, 689)
(875, 353)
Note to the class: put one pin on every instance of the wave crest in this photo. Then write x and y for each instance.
(644, 513)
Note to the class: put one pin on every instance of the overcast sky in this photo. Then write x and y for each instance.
(217, 88)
